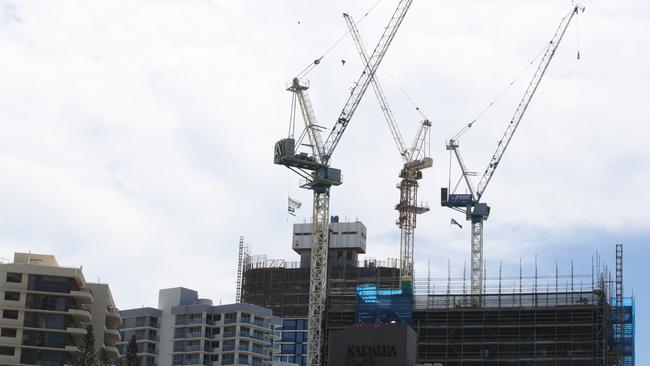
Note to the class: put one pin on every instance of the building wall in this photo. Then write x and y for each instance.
(106, 320)
(555, 335)
(524, 329)
(194, 332)
(286, 292)
(45, 310)
(167, 299)
(144, 324)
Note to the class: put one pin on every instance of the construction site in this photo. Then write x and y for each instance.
(545, 320)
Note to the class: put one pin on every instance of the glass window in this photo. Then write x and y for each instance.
(153, 321)
(230, 318)
(301, 337)
(180, 319)
(228, 359)
(289, 324)
(288, 336)
(8, 332)
(45, 358)
(46, 339)
(10, 314)
(139, 321)
(51, 284)
(301, 324)
(50, 321)
(45, 302)
(287, 348)
(14, 277)
(7, 351)
(12, 296)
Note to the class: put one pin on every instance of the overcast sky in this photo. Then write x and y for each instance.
(137, 136)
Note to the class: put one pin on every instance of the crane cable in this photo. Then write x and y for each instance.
(401, 88)
(317, 61)
(498, 97)
(578, 34)
(417, 108)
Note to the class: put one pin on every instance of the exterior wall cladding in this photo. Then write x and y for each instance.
(541, 329)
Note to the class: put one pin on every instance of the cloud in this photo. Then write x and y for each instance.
(138, 136)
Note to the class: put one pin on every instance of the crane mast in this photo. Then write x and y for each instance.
(475, 211)
(320, 177)
(415, 159)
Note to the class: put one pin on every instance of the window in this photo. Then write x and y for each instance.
(46, 358)
(7, 351)
(14, 277)
(180, 319)
(50, 321)
(228, 359)
(301, 324)
(12, 296)
(46, 302)
(153, 322)
(51, 284)
(46, 339)
(289, 324)
(288, 336)
(8, 332)
(139, 321)
(10, 314)
(287, 348)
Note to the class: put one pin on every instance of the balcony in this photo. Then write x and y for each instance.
(113, 318)
(80, 314)
(71, 349)
(82, 297)
(76, 333)
(111, 336)
(112, 352)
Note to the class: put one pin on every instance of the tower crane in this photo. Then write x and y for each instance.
(319, 177)
(416, 158)
(470, 203)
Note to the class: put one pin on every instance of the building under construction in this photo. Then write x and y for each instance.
(536, 320)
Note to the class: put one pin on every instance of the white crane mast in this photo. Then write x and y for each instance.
(477, 212)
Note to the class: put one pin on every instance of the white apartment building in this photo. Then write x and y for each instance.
(44, 311)
(192, 331)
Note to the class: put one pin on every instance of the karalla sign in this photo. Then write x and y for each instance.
(373, 345)
(372, 351)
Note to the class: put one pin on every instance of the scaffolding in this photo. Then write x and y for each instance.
(522, 320)
(623, 333)
(573, 331)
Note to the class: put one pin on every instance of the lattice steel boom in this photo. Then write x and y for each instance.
(469, 203)
(320, 177)
(415, 159)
